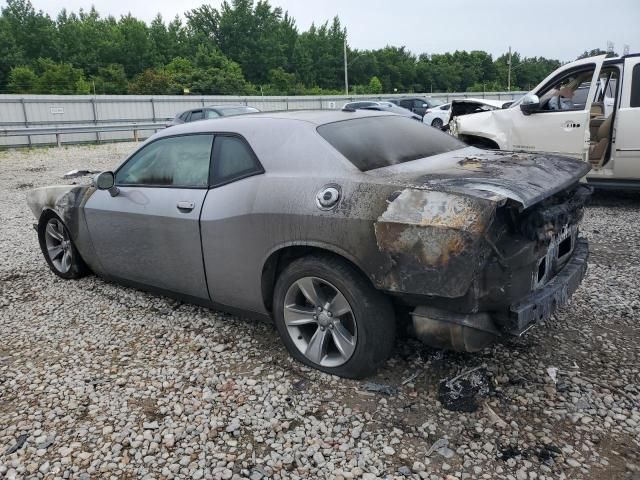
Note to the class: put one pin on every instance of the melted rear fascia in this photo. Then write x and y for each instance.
(434, 241)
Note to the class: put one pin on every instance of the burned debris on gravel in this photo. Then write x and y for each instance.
(102, 381)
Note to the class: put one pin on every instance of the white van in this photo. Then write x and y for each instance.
(588, 109)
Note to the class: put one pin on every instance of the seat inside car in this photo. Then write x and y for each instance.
(600, 143)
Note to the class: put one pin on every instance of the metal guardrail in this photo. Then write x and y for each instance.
(27, 120)
(74, 129)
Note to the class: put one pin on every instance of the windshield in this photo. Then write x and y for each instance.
(376, 142)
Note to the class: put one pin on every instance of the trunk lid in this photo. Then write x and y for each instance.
(526, 178)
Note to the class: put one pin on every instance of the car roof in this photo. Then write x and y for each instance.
(312, 118)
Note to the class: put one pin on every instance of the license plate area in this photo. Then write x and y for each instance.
(560, 249)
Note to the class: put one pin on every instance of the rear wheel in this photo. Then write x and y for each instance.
(437, 123)
(58, 249)
(331, 318)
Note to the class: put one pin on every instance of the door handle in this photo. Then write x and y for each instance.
(186, 205)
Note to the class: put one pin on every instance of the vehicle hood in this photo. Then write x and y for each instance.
(526, 178)
(482, 101)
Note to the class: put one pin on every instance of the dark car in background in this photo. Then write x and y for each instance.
(213, 111)
(417, 105)
(381, 106)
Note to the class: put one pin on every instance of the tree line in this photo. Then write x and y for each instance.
(242, 48)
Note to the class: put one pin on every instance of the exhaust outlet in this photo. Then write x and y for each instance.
(453, 331)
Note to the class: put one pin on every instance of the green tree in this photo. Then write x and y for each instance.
(595, 52)
(257, 36)
(60, 78)
(281, 82)
(22, 80)
(228, 49)
(136, 52)
(152, 82)
(375, 85)
(110, 80)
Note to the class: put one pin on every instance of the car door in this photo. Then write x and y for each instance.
(149, 233)
(231, 234)
(564, 131)
(408, 104)
(626, 135)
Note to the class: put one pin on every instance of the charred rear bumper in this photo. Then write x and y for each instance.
(470, 332)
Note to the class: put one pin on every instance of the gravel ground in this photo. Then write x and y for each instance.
(97, 380)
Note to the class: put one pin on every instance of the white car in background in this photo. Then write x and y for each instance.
(440, 116)
(598, 120)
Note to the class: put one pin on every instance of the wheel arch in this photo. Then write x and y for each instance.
(479, 141)
(45, 215)
(283, 255)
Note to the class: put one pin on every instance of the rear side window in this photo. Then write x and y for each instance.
(196, 115)
(377, 142)
(233, 160)
(635, 87)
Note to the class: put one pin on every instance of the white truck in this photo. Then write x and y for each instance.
(587, 109)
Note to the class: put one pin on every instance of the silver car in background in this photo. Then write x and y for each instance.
(381, 106)
(210, 112)
(328, 223)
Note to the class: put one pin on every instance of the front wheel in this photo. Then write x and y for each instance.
(437, 123)
(58, 249)
(331, 318)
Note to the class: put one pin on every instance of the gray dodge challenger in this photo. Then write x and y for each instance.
(340, 226)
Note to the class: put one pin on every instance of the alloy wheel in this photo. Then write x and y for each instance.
(59, 247)
(320, 321)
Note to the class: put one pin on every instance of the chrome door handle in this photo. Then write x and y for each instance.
(186, 206)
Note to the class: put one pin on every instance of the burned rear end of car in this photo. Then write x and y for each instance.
(475, 259)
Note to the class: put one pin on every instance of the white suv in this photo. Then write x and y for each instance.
(588, 109)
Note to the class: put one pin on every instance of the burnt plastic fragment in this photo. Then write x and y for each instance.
(462, 394)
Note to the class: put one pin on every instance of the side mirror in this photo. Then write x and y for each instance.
(424, 105)
(106, 181)
(530, 104)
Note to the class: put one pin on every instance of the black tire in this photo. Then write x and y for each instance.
(437, 123)
(371, 313)
(76, 266)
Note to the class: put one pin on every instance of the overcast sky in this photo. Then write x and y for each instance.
(559, 29)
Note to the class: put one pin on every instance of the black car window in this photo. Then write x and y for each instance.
(406, 104)
(376, 142)
(174, 161)
(360, 104)
(635, 87)
(233, 159)
(184, 116)
(196, 115)
(445, 107)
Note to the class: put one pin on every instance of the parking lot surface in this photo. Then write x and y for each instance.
(103, 381)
